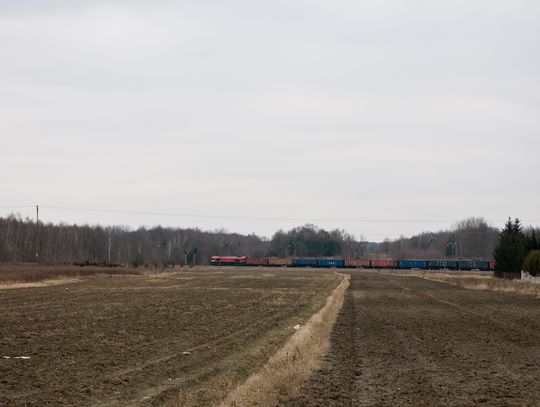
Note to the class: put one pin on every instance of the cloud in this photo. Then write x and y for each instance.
(315, 109)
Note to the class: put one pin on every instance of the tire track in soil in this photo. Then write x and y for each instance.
(145, 396)
(205, 359)
(408, 342)
(485, 315)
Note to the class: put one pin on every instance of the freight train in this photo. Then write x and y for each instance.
(482, 265)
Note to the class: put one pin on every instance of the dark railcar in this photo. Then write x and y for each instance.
(474, 265)
(355, 263)
(413, 264)
(305, 262)
(442, 265)
(384, 264)
(330, 263)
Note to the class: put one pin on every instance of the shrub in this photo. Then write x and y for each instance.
(532, 263)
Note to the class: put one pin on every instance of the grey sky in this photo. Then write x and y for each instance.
(312, 110)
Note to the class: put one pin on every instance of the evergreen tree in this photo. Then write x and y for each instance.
(532, 263)
(511, 248)
(532, 242)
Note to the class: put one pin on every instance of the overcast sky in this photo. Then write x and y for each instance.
(379, 117)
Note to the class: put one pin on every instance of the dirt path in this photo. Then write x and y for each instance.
(412, 342)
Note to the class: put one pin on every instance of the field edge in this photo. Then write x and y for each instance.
(474, 282)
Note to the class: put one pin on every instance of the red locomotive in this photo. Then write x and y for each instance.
(228, 260)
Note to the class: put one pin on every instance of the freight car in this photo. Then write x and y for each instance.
(473, 265)
(257, 261)
(277, 262)
(442, 264)
(323, 263)
(331, 263)
(305, 262)
(413, 264)
(357, 263)
(384, 264)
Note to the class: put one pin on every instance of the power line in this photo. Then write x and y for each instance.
(270, 218)
(243, 217)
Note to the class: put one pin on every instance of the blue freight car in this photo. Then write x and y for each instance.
(473, 265)
(413, 264)
(305, 263)
(329, 263)
(442, 265)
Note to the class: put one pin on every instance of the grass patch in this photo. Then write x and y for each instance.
(479, 282)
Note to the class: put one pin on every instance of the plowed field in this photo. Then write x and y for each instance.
(113, 341)
(405, 341)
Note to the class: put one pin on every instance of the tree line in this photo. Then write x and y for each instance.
(310, 241)
(472, 238)
(24, 240)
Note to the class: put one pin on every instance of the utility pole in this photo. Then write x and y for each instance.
(110, 238)
(37, 232)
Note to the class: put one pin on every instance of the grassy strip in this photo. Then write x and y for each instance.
(45, 283)
(290, 366)
(484, 283)
(33, 273)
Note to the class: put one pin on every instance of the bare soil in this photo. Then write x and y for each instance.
(120, 340)
(405, 341)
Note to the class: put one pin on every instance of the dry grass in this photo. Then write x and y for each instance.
(31, 273)
(287, 369)
(479, 282)
(46, 283)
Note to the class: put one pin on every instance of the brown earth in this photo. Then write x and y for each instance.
(405, 341)
(119, 340)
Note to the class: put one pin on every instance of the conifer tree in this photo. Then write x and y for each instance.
(532, 242)
(511, 248)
